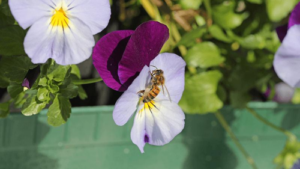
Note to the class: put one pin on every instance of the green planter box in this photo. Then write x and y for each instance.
(90, 140)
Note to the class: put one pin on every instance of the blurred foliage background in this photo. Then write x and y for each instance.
(228, 46)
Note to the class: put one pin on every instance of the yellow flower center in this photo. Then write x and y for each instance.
(60, 19)
(148, 106)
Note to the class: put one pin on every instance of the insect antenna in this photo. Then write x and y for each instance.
(154, 67)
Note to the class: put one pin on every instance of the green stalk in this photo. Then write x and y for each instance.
(234, 139)
(263, 120)
(209, 12)
(177, 37)
(86, 81)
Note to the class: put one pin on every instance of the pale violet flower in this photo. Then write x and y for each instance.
(287, 58)
(60, 29)
(159, 121)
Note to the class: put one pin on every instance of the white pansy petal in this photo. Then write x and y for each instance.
(140, 81)
(26, 12)
(138, 131)
(38, 41)
(69, 45)
(94, 13)
(164, 121)
(78, 44)
(125, 107)
(173, 67)
(287, 58)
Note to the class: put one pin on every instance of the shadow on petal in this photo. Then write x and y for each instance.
(107, 54)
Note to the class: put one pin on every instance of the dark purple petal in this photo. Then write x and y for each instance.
(107, 55)
(143, 46)
(31, 77)
(26, 83)
(281, 32)
(295, 16)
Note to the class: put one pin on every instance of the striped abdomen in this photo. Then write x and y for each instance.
(152, 94)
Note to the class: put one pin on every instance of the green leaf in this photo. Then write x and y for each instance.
(225, 17)
(13, 69)
(70, 91)
(296, 97)
(5, 20)
(239, 99)
(252, 42)
(20, 100)
(59, 111)
(256, 1)
(11, 41)
(244, 77)
(58, 73)
(4, 81)
(14, 90)
(43, 82)
(190, 4)
(75, 70)
(4, 109)
(218, 33)
(279, 9)
(189, 38)
(200, 93)
(53, 88)
(82, 94)
(43, 95)
(204, 55)
(32, 106)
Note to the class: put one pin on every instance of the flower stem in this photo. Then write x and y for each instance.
(209, 12)
(177, 38)
(234, 139)
(260, 118)
(86, 81)
(149, 8)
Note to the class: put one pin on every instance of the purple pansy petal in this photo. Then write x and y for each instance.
(138, 131)
(31, 77)
(287, 59)
(107, 55)
(163, 123)
(26, 83)
(143, 46)
(295, 16)
(174, 68)
(281, 32)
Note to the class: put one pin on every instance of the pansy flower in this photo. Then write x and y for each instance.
(287, 58)
(120, 56)
(60, 29)
(125, 61)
